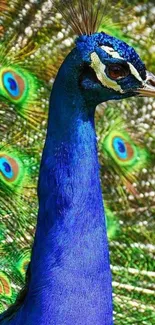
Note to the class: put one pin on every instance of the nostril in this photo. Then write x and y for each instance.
(152, 82)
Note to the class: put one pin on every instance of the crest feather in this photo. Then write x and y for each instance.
(84, 16)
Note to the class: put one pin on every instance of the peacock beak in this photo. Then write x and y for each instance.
(148, 90)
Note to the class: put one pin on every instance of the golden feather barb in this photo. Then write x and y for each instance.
(3, 5)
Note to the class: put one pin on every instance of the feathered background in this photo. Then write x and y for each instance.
(34, 39)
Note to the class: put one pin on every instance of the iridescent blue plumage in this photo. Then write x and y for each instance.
(69, 278)
(89, 44)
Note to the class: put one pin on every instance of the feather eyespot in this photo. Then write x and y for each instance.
(13, 84)
(117, 71)
(127, 158)
(8, 168)
(23, 263)
(5, 286)
(123, 149)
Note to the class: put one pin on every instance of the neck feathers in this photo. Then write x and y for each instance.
(69, 170)
(70, 279)
(70, 260)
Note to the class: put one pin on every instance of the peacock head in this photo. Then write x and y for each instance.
(111, 69)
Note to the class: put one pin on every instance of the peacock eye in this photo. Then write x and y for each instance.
(9, 168)
(117, 71)
(6, 168)
(120, 148)
(13, 84)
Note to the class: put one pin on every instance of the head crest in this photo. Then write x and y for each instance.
(84, 16)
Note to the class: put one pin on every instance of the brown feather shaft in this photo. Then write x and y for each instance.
(83, 16)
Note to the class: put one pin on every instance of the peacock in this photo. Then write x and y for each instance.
(68, 280)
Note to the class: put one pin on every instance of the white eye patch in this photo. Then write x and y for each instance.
(99, 69)
(116, 55)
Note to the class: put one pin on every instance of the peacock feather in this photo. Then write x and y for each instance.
(33, 44)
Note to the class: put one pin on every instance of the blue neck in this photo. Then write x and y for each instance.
(70, 259)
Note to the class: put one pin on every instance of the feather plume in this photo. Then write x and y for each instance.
(87, 16)
(84, 16)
